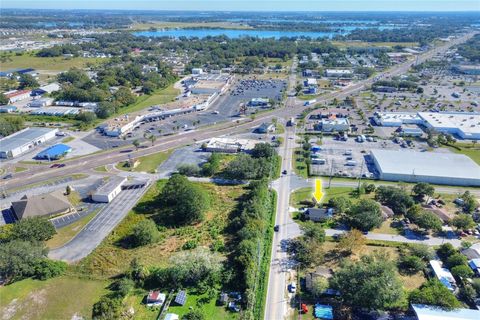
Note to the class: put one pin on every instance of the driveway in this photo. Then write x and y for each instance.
(98, 228)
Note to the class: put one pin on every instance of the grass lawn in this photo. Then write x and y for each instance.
(68, 139)
(66, 233)
(101, 169)
(57, 298)
(74, 198)
(28, 60)
(299, 165)
(306, 194)
(161, 96)
(147, 163)
(20, 169)
(472, 151)
(110, 258)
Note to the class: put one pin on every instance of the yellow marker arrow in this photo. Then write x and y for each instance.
(318, 193)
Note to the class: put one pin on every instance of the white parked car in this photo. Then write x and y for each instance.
(293, 287)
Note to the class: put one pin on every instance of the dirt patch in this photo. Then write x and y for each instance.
(30, 302)
(9, 311)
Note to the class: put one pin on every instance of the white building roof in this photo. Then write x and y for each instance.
(431, 164)
(425, 312)
(231, 144)
(23, 137)
(468, 122)
(443, 274)
(112, 183)
(49, 88)
(398, 116)
(339, 71)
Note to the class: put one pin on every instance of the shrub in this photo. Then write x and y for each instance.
(107, 308)
(46, 269)
(145, 232)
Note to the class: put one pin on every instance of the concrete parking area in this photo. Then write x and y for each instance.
(99, 227)
(350, 158)
(65, 220)
(191, 155)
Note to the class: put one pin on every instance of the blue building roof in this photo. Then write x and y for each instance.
(54, 152)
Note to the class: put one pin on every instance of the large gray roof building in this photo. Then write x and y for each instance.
(24, 140)
(431, 167)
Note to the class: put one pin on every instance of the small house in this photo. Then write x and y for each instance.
(155, 298)
(223, 299)
(266, 128)
(319, 214)
(475, 265)
(386, 212)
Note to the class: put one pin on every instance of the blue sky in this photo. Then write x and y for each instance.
(252, 5)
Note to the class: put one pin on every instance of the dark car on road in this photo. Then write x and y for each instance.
(276, 228)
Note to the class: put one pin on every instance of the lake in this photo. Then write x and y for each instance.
(202, 33)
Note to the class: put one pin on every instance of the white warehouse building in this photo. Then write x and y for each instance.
(430, 167)
(108, 191)
(24, 140)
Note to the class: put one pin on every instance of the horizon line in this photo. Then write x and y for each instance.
(234, 11)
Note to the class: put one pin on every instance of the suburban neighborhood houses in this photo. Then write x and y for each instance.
(230, 163)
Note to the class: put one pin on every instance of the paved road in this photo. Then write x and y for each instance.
(277, 302)
(98, 228)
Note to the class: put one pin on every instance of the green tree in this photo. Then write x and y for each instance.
(193, 315)
(124, 96)
(456, 259)
(411, 264)
(462, 271)
(434, 293)
(263, 150)
(136, 144)
(18, 259)
(122, 287)
(185, 202)
(152, 139)
(196, 266)
(370, 283)
(33, 229)
(341, 204)
(313, 231)
(46, 269)
(397, 199)
(429, 221)
(27, 81)
(421, 250)
(145, 232)
(107, 308)
(445, 251)
(351, 241)
(422, 189)
(365, 215)
(463, 222)
(319, 285)
(3, 99)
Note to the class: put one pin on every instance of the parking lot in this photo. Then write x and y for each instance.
(99, 227)
(191, 155)
(351, 158)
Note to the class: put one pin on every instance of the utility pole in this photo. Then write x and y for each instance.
(361, 173)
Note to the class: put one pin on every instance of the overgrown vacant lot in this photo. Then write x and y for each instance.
(46, 64)
(113, 257)
(57, 298)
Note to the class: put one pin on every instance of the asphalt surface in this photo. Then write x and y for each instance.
(277, 302)
(67, 219)
(98, 228)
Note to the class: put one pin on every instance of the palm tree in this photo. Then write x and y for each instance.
(136, 144)
(152, 139)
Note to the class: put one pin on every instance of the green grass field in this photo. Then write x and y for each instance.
(20, 169)
(147, 163)
(101, 169)
(53, 299)
(161, 96)
(68, 139)
(110, 259)
(54, 64)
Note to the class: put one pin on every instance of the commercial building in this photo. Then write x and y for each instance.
(230, 145)
(108, 191)
(431, 167)
(338, 73)
(259, 102)
(396, 119)
(8, 109)
(44, 205)
(425, 312)
(55, 111)
(17, 95)
(473, 70)
(265, 128)
(310, 82)
(54, 152)
(464, 125)
(49, 88)
(39, 103)
(335, 124)
(24, 140)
